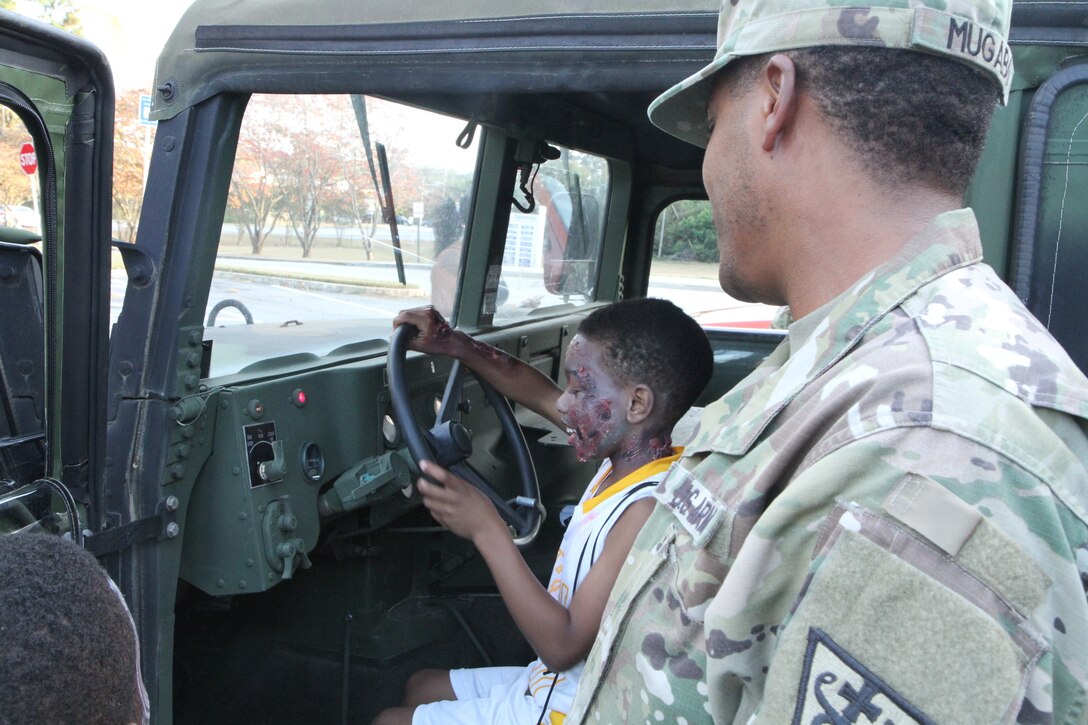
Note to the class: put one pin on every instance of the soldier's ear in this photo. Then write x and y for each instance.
(641, 403)
(778, 105)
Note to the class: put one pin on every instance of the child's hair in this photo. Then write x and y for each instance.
(67, 644)
(655, 343)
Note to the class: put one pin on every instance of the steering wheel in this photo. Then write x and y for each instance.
(449, 443)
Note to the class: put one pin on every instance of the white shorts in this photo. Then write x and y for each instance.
(484, 695)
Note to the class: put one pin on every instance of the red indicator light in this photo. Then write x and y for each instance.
(298, 397)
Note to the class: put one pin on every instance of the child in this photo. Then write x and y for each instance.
(68, 645)
(632, 371)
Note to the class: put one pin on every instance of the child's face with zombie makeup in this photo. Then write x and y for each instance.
(593, 406)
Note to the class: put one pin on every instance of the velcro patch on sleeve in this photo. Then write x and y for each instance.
(888, 621)
(699, 511)
(933, 511)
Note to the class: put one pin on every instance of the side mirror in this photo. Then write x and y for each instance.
(570, 242)
(139, 266)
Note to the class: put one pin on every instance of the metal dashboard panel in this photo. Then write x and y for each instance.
(247, 530)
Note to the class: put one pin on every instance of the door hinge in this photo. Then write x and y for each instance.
(119, 537)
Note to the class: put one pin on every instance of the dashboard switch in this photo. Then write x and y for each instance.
(284, 553)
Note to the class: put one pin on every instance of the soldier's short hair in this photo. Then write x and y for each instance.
(67, 644)
(653, 342)
(907, 117)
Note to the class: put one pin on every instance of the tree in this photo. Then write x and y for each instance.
(301, 161)
(305, 179)
(58, 13)
(131, 144)
(14, 184)
(255, 194)
(356, 191)
(307, 171)
(686, 232)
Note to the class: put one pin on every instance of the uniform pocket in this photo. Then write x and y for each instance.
(893, 629)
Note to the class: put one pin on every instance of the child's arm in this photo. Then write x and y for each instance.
(507, 374)
(561, 637)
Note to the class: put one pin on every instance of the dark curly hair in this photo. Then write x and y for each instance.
(909, 117)
(653, 342)
(67, 647)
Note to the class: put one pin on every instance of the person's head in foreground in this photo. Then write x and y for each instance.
(68, 650)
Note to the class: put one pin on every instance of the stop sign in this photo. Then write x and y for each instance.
(28, 159)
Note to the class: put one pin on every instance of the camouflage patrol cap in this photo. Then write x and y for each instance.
(971, 31)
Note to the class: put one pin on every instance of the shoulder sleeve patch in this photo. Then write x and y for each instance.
(836, 688)
(887, 620)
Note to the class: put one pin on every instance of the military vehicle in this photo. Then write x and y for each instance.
(250, 486)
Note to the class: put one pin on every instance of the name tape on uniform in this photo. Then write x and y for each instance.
(699, 511)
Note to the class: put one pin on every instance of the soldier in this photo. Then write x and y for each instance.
(885, 522)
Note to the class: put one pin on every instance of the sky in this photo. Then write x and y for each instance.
(131, 33)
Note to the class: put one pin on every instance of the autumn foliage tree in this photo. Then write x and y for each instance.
(59, 13)
(307, 171)
(351, 188)
(301, 165)
(255, 192)
(357, 195)
(131, 146)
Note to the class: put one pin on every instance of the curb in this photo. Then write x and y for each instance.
(344, 287)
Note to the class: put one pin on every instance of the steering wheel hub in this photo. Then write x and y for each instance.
(452, 443)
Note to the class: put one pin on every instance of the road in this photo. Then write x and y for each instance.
(274, 300)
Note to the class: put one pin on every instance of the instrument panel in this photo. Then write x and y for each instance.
(295, 454)
(289, 455)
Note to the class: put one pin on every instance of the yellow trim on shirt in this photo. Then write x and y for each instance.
(557, 718)
(650, 469)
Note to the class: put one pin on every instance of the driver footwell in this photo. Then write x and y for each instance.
(403, 603)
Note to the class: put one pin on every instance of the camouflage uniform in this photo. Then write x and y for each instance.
(885, 522)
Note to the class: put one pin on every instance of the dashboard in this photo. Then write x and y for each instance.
(298, 456)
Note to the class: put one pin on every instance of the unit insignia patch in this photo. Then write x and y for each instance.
(836, 689)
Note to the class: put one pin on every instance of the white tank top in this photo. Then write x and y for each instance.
(582, 545)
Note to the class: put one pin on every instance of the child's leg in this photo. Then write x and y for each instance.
(486, 695)
(423, 686)
(428, 686)
(395, 716)
(474, 697)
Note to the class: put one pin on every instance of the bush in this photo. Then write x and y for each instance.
(689, 232)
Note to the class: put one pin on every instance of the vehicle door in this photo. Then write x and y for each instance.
(56, 125)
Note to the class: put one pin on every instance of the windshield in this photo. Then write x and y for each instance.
(306, 261)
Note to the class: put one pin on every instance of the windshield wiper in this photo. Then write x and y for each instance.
(385, 191)
(390, 210)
